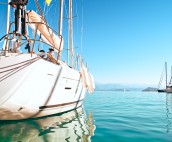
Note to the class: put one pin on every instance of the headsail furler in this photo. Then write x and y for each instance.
(37, 24)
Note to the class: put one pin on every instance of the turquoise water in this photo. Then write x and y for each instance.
(131, 116)
(107, 116)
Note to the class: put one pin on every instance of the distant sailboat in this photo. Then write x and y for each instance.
(168, 86)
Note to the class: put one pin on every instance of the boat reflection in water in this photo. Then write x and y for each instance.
(169, 112)
(71, 126)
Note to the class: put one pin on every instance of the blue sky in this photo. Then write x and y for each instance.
(126, 41)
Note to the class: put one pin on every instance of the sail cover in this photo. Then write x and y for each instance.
(38, 24)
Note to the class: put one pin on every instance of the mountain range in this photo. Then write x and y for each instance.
(123, 87)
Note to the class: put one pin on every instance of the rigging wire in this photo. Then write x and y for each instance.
(170, 78)
(82, 21)
(39, 9)
(77, 35)
(48, 8)
(65, 10)
(161, 78)
(65, 16)
(3, 2)
(2, 23)
(44, 7)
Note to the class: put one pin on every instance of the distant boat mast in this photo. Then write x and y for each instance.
(166, 73)
(70, 37)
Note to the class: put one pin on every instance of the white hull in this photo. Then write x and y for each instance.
(33, 87)
(169, 89)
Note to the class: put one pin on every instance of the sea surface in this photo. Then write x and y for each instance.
(106, 116)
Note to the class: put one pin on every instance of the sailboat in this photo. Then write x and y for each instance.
(168, 88)
(34, 83)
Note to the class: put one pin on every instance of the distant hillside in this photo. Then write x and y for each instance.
(103, 87)
(150, 89)
(119, 87)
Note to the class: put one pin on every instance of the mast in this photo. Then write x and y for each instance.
(5, 45)
(166, 73)
(70, 37)
(60, 17)
(170, 77)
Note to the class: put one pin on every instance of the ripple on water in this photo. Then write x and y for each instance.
(131, 116)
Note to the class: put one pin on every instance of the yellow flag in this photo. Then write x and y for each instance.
(48, 2)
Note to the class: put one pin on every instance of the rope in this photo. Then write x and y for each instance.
(39, 9)
(17, 64)
(16, 69)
